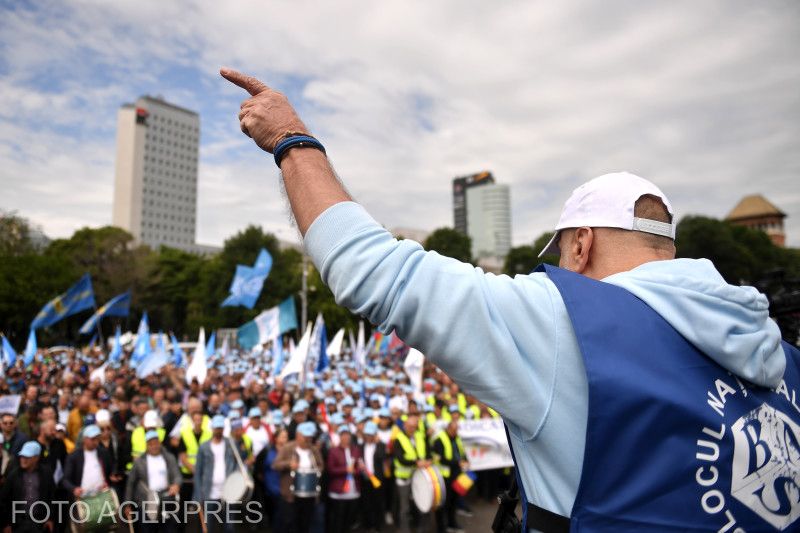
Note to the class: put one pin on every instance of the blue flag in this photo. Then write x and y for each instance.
(248, 282)
(277, 355)
(30, 349)
(323, 362)
(287, 315)
(117, 306)
(211, 345)
(142, 348)
(79, 297)
(177, 353)
(116, 350)
(8, 352)
(155, 360)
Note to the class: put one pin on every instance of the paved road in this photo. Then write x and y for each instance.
(480, 521)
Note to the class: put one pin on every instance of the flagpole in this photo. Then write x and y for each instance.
(304, 296)
(99, 332)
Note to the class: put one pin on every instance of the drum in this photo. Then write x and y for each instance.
(305, 483)
(427, 488)
(238, 487)
(96, 513)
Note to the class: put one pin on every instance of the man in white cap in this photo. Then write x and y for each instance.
(155, 472)
(215, 462)
(27, 494)
(669, 353)
(138, 444)
(257, 430)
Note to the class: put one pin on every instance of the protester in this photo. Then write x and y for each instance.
(30, 484)
(13, 438)
(345, 468)
(558, 353)
(373, 486)
(298, 456)
(155, 477)
(215, 462)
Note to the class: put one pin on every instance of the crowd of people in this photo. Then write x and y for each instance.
(242, 451)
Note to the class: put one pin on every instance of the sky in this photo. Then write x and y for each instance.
(702, 98)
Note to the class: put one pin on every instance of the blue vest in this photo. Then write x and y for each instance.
(673, 440)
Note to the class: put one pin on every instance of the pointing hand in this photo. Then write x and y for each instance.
(267, 116)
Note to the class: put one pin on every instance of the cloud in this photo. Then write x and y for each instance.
(701, 98)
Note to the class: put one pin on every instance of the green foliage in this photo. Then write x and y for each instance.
(520, 260)
(451, 243)
(742, 255)
(14, 235)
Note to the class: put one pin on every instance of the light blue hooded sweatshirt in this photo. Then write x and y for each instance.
(509, 342)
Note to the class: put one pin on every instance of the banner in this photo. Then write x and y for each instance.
(485, 443)
(10, 403)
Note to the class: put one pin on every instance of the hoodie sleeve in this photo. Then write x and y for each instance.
(492, 334)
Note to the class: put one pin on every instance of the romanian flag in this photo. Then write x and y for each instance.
(463, 482)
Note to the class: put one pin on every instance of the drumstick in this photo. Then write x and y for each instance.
(202, 521)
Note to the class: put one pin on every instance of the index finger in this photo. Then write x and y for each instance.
(248, 83)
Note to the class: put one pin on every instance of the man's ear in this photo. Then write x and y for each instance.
(579, 250)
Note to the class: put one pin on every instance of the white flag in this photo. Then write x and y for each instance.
(198, 368)
(297, 358)
(99, 374)
(413, 367)
(360, 351)
(335, 347)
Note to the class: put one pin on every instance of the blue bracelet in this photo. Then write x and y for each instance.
(291, 142)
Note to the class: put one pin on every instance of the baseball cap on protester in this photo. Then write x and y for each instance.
(30, 449)
(91, 431)
(152, 434)
(218, 422)
(607, 201)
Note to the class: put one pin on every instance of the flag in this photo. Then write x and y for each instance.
(376, 483)
(359, 352)
(177, 353)
(198, 368)
(77, 298)
(119, 305)
(142, 347)
(287, 315)
(225, 350)
(263, 262)
(155, 360)
(413, 367)
(268, 325)
(211, 347)
(248, 281)
(99, 374)
(30, 348)
(317, 356)
(277, 355)
(9, 355)
(116, 350)
(335, 347)
(463, 482)
(297, 358)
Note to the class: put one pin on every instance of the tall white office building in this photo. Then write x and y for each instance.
(488, 210)
(155, 189)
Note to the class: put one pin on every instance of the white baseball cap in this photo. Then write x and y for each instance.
(607, 201)
(151, 419)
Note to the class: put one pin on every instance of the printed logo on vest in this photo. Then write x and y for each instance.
(766, 465)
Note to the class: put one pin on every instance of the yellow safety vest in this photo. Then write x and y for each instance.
(410, 453)
(462, 403)
(139, 443)
(431, 420)
(447, 446)
(476, 411)
(420, 426)
(494, 413)
(192, 445)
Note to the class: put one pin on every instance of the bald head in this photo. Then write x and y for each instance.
(601, 252)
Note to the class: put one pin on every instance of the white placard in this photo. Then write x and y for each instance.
(485, 443)
(10, 403)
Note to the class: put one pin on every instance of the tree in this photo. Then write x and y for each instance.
(14, 235)
(451, 243)
(540, 243)
(520, 260)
